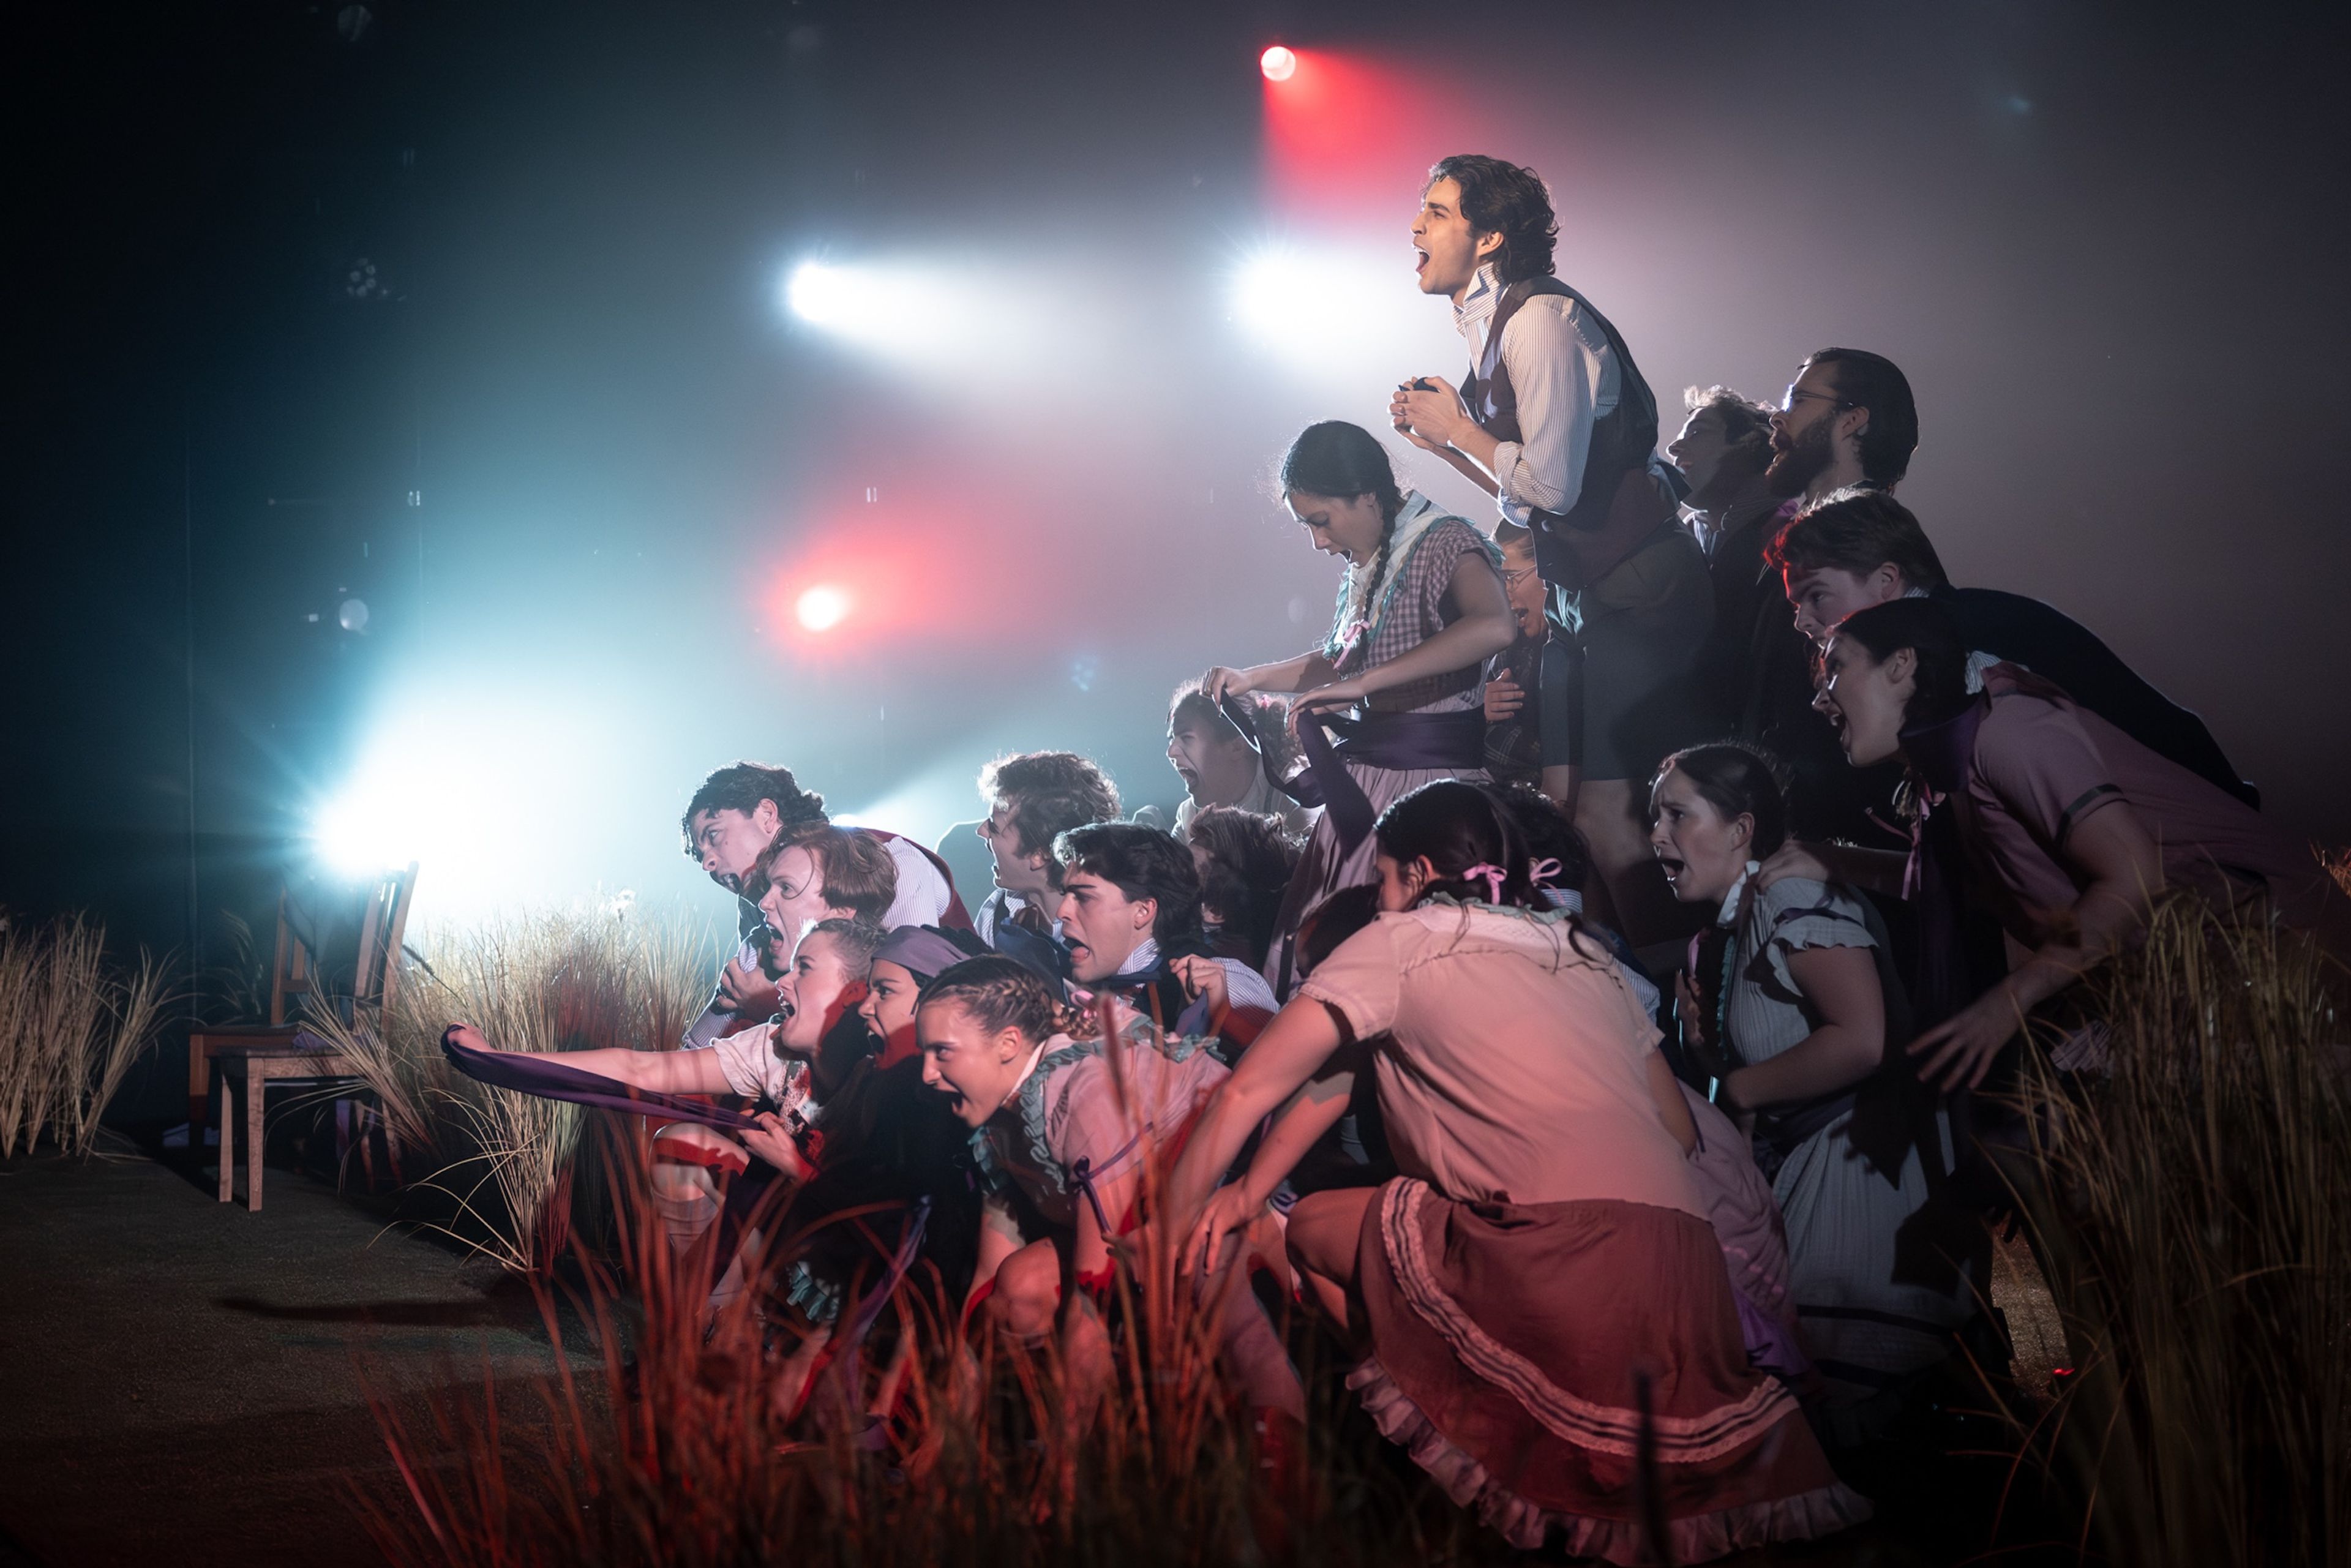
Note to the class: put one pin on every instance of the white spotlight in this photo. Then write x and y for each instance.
(831, 295)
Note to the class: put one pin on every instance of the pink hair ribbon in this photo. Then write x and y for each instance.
(1495, 876)
(1543, 871)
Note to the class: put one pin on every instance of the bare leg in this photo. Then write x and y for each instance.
(1324, 1228)
(1254, 1360)
(685, 1166)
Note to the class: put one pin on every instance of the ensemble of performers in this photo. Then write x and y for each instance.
(1575, 979)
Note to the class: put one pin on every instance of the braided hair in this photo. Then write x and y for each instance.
(1000, 993)
(1343, 461)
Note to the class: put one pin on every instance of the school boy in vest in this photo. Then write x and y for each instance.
(1555, 420)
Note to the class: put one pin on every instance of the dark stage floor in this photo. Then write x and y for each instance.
(182, 1380)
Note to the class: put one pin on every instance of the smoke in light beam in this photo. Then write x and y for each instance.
(1324, 304)
(920, 315)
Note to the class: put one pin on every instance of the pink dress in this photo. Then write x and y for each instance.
(1079, 1120)
(1545, 1263)
(2040, 765)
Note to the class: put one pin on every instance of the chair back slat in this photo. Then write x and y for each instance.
(291, 973)
(386, 921)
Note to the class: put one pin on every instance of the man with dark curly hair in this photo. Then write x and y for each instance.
(1555, 422)
(1032, 800)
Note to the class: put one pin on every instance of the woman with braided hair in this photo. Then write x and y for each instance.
(1541, 1306)
(1420, 612)
(1063, 1128)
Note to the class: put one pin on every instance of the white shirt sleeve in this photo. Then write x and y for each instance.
(922, 891)
(1564, 378)
(716, 1017)
(1245, 987)
(753, 1069)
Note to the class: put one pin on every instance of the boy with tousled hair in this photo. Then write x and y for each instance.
(1858, 547)
(1130, 916)
(730, 823)
(1032, 800)
(815, 870)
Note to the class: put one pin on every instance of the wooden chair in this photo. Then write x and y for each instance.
(247, 1072)
(252, 1057)
(294, 977)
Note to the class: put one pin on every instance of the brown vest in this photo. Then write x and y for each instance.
(1620, 506)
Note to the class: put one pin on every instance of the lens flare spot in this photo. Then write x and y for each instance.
(821, 608)
(1277, 63)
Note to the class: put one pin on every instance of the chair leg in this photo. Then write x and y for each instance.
(199, 1097)
(256, 1095)
(227, 1141)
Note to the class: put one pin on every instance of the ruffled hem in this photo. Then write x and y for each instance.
(1527, 1524)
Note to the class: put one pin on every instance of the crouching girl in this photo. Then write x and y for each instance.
(1538, 1297)
(1064, 1129)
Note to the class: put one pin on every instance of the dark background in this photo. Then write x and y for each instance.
(568, 447)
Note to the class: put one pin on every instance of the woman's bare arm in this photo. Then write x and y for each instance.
(2113, 851)
(663, 1072)
(1296, 674)
(1299, 1039)
(1840, 985)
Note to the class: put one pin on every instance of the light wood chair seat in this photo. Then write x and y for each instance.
(247, 1071)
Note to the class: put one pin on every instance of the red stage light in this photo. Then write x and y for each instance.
(1277, 64)
(821, 608)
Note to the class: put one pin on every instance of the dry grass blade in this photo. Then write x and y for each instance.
(538, 981)
(70, 1030)
(2195, 1217)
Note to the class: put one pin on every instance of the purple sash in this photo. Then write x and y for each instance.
(1417, 742)
(528, 1072)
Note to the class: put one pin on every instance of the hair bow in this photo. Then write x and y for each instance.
(1494, 875)
(1543, 871)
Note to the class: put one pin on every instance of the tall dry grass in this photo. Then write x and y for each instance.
(892, 1461)
(542, 981)
(70, 1027)
(2194, 1215)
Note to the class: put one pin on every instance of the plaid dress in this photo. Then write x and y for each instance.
(1410, 609)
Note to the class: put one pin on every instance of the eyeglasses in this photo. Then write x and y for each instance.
(1788, 403)
(1513, 576)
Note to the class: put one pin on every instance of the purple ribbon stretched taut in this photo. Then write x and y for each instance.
(527, 1072)
(1429, 742)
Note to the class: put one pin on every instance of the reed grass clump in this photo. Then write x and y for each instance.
(657, 1445)
(71, 1026)
(540, 981)
(2193, 1209)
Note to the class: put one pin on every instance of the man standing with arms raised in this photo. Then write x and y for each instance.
(1555, 422)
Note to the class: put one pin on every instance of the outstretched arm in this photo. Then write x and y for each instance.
(663, 1072)
(1292, 675)
(1301, 1039)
